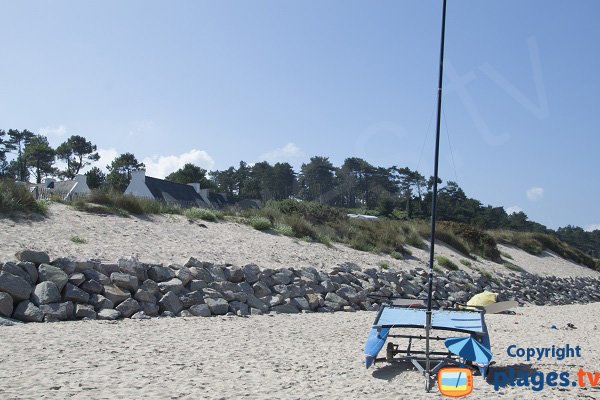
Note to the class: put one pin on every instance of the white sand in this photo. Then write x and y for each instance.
(173, 239)
(312, 356)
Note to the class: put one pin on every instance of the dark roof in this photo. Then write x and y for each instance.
(171, 191)
(217, 199)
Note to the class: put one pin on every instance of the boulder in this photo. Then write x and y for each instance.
(124, 281)
(217, 273)
(45, 293)
(173, 285)
(77, 278)
(254, 302)
(140, 315)
(59, 311)
(334, 298)
(300, 303)
(287, 308)
(84, 311)
(6, 304)
(108, 314)
(261, 290)
(184, 275)
(31, 269)
(160, 274)
(115, 294)
(9, 321)
(92, 287)
(107, 269)
(145, 296)
(236, 274)
(284, 277)
(73, 293)
(17, 287)
(92, 274)
(314, 301)
(65, 264)
(196, 285)
(200, 310)
(239, 308)
(54, 274)
(185, 313)
(217, 306)
(135, 268)
(150, 309)
(16, 270)
(128, 308)
(171, 303)
(36, 257)
(100, 302)
(191, 299)
(251, 272)
(26, 311)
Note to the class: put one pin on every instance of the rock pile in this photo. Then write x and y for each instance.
(36, 290)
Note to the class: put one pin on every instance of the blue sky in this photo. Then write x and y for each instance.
(217, 82)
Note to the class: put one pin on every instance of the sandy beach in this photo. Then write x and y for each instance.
(309, 356)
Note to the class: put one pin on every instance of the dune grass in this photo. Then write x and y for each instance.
(446, 263)
(16, 197)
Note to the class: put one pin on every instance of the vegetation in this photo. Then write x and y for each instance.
(506, 255)
(78, 240)
(260, 223)
(466, 263)
(446, 263)
(120, 170)
(513, 267)
(16, 197)
(106, 201)
(201, 213)
(76, 152)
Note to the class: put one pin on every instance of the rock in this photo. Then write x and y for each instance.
(31, 269)
(67, 265)
(218, 306)
(84, 311)
(14, 269)
(301, 303)
(108, 314)
(107, 269)
(54, 274)
(140, 315)
(77, 279)
(92, 287)
(192, 299)
(314, 301)
(239, 308)
(261, 290)
(45, 293)
(255, 311)
(184, 275)
(185, 313)
(217, 273)
(170, 302)
(160, 274)
(6, 304)
(115, 294)
(287, 308)
(197, 285)
(128, 308)
(332, 297)
(173, 285)
(135, 268)
(145, 296)
(18, 288)
(213, 294)
(73, 293)
(26, 311)
(92, 274)
(9, 322)
(167, 314)
(124, 281)
(273, 300)
(254, 302)
(100, 302)
(223, 286)
(283, 278)
(251, 272)
(200, 310)
(201, 274)
(150, 309)
(236, 274)
(36, 257)
(244, 287)
(59, 311)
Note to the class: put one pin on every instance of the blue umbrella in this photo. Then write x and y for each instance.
(469, 349)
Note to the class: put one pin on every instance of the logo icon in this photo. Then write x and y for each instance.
(455, 382)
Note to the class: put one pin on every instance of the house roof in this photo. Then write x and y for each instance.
(172, 191)
(60, 187)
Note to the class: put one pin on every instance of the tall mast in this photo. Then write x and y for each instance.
(434, 200)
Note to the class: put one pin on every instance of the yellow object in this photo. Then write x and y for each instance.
(482, 299)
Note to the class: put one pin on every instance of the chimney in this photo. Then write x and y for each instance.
(196, 186)
(138, 176)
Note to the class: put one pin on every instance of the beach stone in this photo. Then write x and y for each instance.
(200, 310)
(185, 313)
(92, 274)
(193, 263)
(73, 293)
(6, 304)
(217, 306)
(36, 257)
(84, 311)
(274, 300)
(45, 293)
(236, 274)
(251, 272)
(239, 308)
(167, 314)
(284, 277)
(223, 286)
(217, 273)
(107, 269)
(31, 269)
(92, 287)
(17, 287)
(301, 303)
(124, 281)
(99, 302)
(54, 274)
(77, 278)
(261, 290)
(133, 267)
(59, 311)
(202, 274)
(14, 269)
(67, 265)
(255, 311)
(160, 274)
(287, 308)
(171, 303)
(191, 299)
(140, 315)
(108, 314)
(9, 321)
(115, 294)
(244, 287)
(26, 311)
(173, 285)
(334, 298)
(184, 275)
(150, 309)
(314, 301)
(197, 285)
(254, 302)
(128, 308)
(145, 296)
(212, 293)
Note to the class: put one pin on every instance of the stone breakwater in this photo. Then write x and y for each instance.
(35, 289)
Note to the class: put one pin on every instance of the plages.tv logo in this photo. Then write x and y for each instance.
(455, 382)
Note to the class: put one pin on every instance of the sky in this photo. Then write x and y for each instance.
(217, 82)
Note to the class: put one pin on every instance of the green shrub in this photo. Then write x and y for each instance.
(466, 263)
(260, 223)
(396, 255)
(383, 265)
(17, 197)
(284, 229)
(200, 213)
(78, 240)
(513, 267)
(446, 263)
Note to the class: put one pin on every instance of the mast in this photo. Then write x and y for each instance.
(434, 201)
